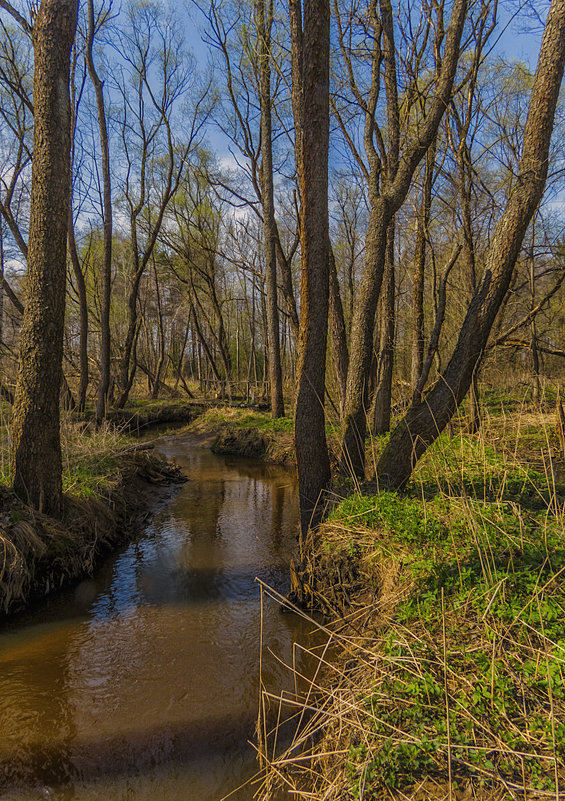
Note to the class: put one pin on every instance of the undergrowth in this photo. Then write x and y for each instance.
(448, 679)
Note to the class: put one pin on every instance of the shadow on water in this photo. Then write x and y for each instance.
(143, 683)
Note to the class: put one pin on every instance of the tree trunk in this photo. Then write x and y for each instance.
(161, 338)
(338, 331)
(125, 378)
(104, 386)
(424, 421)
(264, 24)
(419, 271)
(83, 308)
(383, 394)
(37, 466)
(1, 282)
(309, 422)
(381, 213)
(533, 332)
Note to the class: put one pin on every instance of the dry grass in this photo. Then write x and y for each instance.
(444, 672)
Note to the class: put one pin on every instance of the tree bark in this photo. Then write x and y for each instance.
(264, 25)
(338, 330)
(104, 386)
(37, 466)
(309, 422)
(424, 421)
(83, 310)
(383, 394)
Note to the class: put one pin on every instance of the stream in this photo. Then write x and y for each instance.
(143, 683)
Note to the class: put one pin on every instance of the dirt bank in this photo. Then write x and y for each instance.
(39, 555)
(247, 433)
(139, 417)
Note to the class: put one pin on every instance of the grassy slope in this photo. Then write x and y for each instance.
(451, 599)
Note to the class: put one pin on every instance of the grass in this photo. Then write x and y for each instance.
(238, 418)
(90, 456)
(447, 675)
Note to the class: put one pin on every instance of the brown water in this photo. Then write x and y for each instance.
(143, 683)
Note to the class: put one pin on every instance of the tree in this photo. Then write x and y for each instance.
(386, 203)
(264, 25)
(104, 386)
(425, 419)
(309, 420)
(36, 436)
(154, 81)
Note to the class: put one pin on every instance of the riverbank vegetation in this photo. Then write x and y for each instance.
(110, 482)
(443, 674)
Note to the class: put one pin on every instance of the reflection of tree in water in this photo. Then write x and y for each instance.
(278, 508)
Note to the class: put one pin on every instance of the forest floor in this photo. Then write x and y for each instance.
(444, 673)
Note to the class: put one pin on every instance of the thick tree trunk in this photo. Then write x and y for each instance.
(424, 421)
(37, 467)
(309, 422)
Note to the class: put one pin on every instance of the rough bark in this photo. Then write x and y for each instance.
(424, 421)
(309, 424)
(37, 467)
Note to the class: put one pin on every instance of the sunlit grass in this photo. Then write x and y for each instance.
(446, 604)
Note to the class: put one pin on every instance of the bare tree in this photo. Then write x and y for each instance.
(426, 419)
(104, 386)
(386, 201)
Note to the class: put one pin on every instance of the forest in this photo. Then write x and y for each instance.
(346, 214)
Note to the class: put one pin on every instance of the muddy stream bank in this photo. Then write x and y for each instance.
(143, 683)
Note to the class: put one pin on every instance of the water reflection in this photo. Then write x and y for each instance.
(150, 692)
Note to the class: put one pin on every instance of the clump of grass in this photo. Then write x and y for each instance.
(91, 457)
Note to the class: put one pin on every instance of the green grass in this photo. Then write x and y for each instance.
(457, 672)
(90, 457)
(479, 644)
